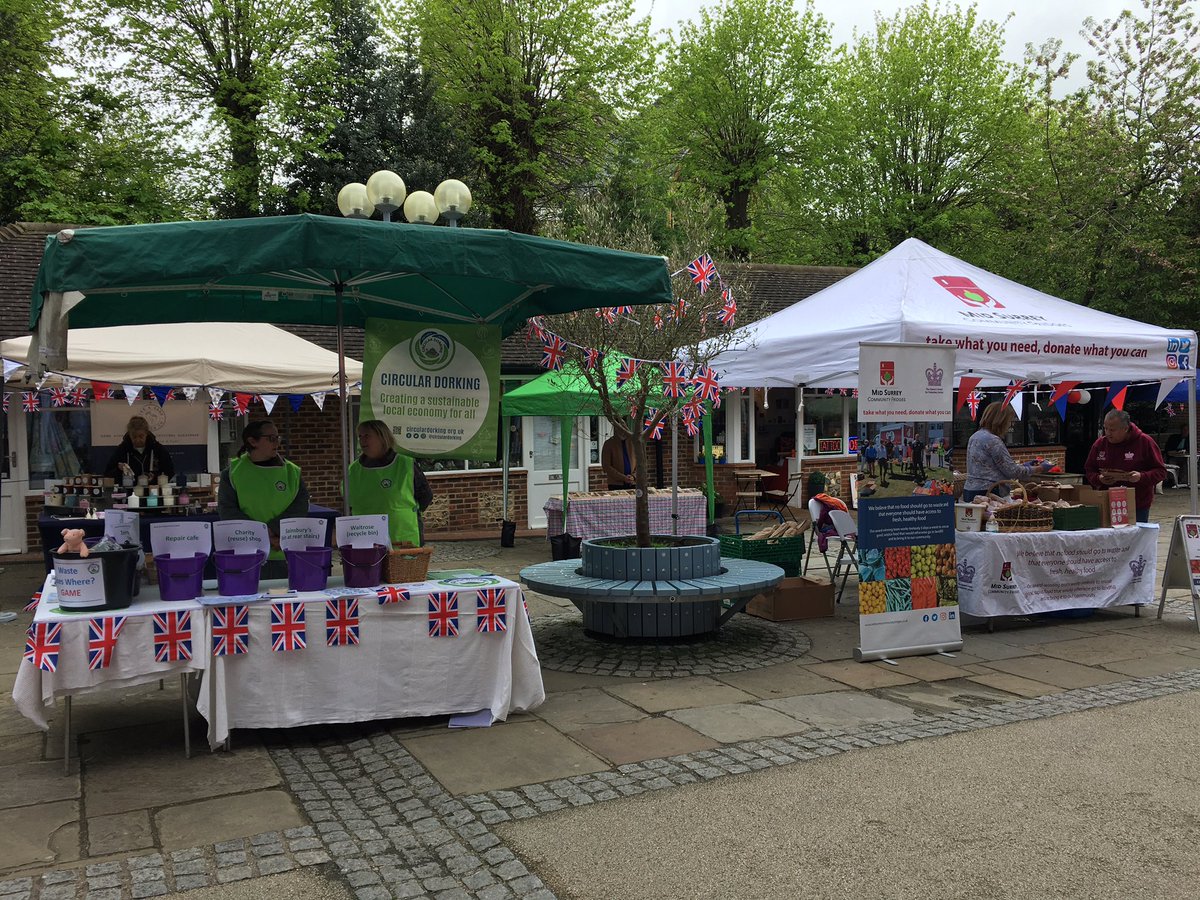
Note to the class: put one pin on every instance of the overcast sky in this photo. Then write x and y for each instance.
(1033, 21)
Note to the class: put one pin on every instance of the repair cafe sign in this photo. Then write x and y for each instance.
(905, 382)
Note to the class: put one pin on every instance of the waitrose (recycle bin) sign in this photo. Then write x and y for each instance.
(436, 386)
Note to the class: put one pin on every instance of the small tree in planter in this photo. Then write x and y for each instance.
(658, 359)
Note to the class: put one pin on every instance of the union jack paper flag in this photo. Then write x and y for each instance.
(707, 386)
(608, 314)
(658, 320)
(172, 636)
(490, 611)
(216, 412)
(655, 430)
(102, 640)
(443, 614)
(591, 359)
(554, 352)
(627, 369)
(341, 622)
(42, 643)
(287, 626)
(675, 380)
(703, 270)
(59, 397)
(30, 401)
(624, 310)
(230, 630)
(392, 594)
(536, 327)
(6, 402)
(678, 310)
(77, 397)
(33, 604)
(974, 399)
(690, 426)
(728, 311)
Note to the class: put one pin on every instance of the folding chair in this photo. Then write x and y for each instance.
(847, 558)
(783, 499)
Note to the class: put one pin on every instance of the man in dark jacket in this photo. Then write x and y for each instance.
(140, 453)
(1126, 455)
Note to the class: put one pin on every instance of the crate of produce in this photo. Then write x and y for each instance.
(1076, 518)
(787, 552)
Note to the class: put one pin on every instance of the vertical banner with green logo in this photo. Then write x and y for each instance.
(436, 386)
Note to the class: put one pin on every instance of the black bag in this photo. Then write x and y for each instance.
(565, 546)
(508, 533)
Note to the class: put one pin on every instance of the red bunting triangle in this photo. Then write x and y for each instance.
(966, 385)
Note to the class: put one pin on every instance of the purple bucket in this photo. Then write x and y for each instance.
(363, 566)
(180, 577)
(308, 569)
(237, 573)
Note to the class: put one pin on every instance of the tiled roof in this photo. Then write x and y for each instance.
(768, 288)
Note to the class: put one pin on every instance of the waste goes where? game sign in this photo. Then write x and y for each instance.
(908, 586)
(436, 386)
(905, 382)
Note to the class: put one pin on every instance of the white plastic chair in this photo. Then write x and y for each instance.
(847, 538)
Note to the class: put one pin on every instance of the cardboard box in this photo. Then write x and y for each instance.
(794, 598)
(1069, 492)
(1116, 504)
(1089, 496)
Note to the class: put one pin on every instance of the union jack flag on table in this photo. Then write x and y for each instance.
(172, 636)
(230, 630)
(392, 594)
(59, 397)
(675, 379)
(43, 640)
(627, 369)
(707, 386)
(287, 626)
(655, 431)
(33, 603)
(341, 621)
(443, 614)
(102, 640)
(703, 270)
(30, 401)
(554, 352)
(490, 611)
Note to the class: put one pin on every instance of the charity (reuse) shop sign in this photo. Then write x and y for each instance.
(905, 383)
(436, 386)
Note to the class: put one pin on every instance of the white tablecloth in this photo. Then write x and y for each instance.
(132, 662)
(1021, 574)
(397, 670)
(615, 515)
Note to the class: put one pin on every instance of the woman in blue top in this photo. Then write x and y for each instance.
(988, 460)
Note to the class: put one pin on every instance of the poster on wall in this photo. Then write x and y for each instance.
(436, 386)
(908, 589)
(905, 382)
(1183, 564)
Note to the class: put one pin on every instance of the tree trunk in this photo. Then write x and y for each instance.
(641, 494)
(737, 220)
(243, 181)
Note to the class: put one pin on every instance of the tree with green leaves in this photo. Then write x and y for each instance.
(538, 85)
(743, 95)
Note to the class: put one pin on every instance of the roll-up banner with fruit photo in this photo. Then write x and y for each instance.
(908, 589)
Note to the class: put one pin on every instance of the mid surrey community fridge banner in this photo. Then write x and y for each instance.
(908, 592)
(905, 382)
(436, 386)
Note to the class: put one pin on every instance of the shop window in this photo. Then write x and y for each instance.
(824, 424)
(60, 442)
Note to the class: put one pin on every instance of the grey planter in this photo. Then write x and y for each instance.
(699, 557)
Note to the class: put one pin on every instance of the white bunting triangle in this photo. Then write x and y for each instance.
(189, 393)
(319, 399)
(70, 382)
(215, 396)
(42, 381)
(132, 392)
(10, 366)
(1018, 403)
(268, 401)
(1165, 387)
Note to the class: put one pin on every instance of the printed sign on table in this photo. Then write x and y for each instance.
(180, 538)
(362, 531)
(241, 536)
(302, 533)
(908, 590)
(122, 526)
(905, 382)
(80, 582)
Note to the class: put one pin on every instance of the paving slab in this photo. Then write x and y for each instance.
(554, 682)
(944, 696)
(923, 668)
(678, 693)
(733, 722)
(18, 748)
(1058, 672)
(863, 676)
(841, 710)
(308, 882)
(1014, 684)
(1019, 635)
(644, 739)
(1157, 664)
(210, 821)
(31, 783)
(1104, 648)
(987, 647)
(30, 834)
(119, 833)
(470, 761)
(786, 680)
(572, 710)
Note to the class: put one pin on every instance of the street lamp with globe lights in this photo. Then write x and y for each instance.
(385, 192)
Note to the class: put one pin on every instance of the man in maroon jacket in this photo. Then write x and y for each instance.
(1126, 455)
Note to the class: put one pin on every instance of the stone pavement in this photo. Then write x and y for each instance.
(411, 808)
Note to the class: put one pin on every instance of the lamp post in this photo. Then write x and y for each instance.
(385, 191)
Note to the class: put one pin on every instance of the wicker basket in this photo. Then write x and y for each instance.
(1023, 518)
(406, 565)
(957, 484)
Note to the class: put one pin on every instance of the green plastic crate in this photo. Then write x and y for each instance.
(1079, 518)
(785, 552)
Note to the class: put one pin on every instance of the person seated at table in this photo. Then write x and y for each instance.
(261, 485)
(989, 464)
(387, 482)
(139, 453)
(1125, 455)
(619, 462)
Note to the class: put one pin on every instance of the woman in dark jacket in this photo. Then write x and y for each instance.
(140, 453)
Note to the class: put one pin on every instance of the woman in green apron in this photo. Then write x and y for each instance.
(387, 482)
(263, 486)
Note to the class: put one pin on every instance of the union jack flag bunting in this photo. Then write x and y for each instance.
(42, 643)
(33, 604)
(172, 636)
(102, 640)
(707, 386)
(655, 431)
(6, 402)
(675, 379)
(608, 314)
(287, 626)
(443, 614)
(59, 397)
(216, 412)
(690, 426)
(728, 308)
(624, 310)
(693, 408)
(77, 397)
(230, 630)
(703, 270)
(591, 359)
(678, 310)
(241, 403)
(392, 594)
(658, 320)
(627, 369)
(491, 613)
(341, 622)
(536, 328)
(974, 399)
(102, 390)
(30, 402)
(554, 352)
